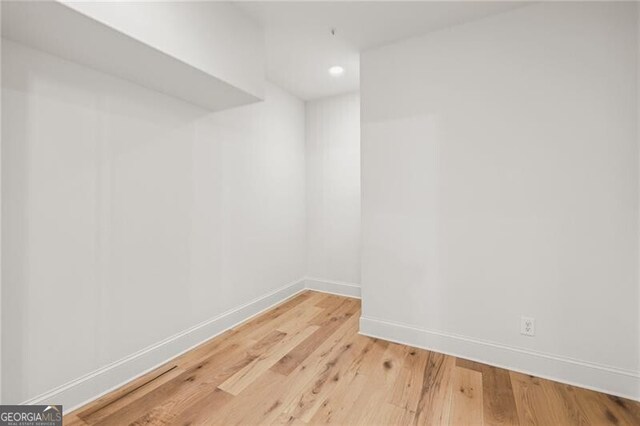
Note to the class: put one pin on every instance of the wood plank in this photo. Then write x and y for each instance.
(312, 396)
(468, 364)
(338, 405)
(390, 414)
(287, 419)
(274, 394)
(466, 398)
(323, 369)
(368, 363)
(435, 398)
(260, 403)
(408, 387)
(329, 300)
(381, 378)
(630, 408)
(538, 402)
(599, 408)
(297, 316)
(499, 405)
(198, 408)
(303, 318)
(327, 323)
(73, 420)
(248, 374)
(331, 313)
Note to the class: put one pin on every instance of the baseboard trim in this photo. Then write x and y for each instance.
(601, 378)
(89, 387)
(340, 288)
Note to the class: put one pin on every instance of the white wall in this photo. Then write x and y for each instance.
(500, 179)
(216, 37)
(129, 216)
(333, 188)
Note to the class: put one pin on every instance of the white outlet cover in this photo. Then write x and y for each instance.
(528, 326)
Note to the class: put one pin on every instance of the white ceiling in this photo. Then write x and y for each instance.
(300, 47)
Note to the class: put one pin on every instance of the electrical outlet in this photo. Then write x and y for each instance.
(528, 326)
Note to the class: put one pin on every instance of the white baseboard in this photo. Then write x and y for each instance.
(91, 386)
(601, 378)
(340, 288)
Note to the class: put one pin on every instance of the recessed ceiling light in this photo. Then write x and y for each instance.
(336, 70)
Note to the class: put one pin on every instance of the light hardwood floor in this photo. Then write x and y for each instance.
(304, 362)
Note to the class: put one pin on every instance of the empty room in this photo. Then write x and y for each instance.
(311, 213)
